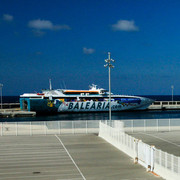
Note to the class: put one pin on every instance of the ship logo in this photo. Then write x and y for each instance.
(50, 104)
(57, 103)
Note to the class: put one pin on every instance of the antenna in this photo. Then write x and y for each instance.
(50, 86)
(64, 84)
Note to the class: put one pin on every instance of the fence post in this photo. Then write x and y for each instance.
(59, 126)
(132, 124)
(86, 127)
(16, 128)
(157, 124)
(165, 160)
(136, 151)
(152, 157)
(160, 157)
(169, 125)
(30, 128)
(144, 125)
(73, 127)
(1, 128)
(172, 162)
(45, 128)
(178, 165)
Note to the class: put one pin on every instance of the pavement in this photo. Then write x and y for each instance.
(62, 157)
(166, 141)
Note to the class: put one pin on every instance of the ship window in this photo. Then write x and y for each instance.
(156, 103)
(71, 93)
(103, 91)
(35, 97)
(94, 93)
(165, 103)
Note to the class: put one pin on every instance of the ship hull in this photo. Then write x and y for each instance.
(58, 106)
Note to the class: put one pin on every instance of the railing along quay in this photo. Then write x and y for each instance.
(162, 163)
(49, 127)
(164, 105)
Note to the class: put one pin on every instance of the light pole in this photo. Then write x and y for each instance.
(1, 85)
(172, 91)
(108, 61)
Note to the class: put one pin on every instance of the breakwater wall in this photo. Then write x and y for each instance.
(156, 105)
(10, 105)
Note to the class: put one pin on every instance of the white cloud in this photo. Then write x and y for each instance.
(125, 25)
(38, 32)
(39, 24)
(88, 50)
(8, 17)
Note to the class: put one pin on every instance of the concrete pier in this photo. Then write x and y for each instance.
(16, 112)
(165, 105)
(10, 105)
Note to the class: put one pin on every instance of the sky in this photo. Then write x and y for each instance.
(68, 41)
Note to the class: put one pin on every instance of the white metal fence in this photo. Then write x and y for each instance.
(84, 126)
(162, 163)
(151, 125)
(167, 165)
(49, 127)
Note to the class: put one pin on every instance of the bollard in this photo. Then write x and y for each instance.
(135, 160)
(148, 168)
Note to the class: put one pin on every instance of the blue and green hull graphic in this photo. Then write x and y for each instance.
(61, 105)
(39, 105)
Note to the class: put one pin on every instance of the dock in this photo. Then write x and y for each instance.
(10, 105)
(16, 112)
(165, 105)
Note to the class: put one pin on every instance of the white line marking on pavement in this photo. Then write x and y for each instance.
(39, 177)
(160, 138)
(70, 157)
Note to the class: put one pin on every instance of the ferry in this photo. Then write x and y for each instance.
(92, 100)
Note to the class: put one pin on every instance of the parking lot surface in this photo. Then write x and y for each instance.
(164, 140)
(61, 157)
